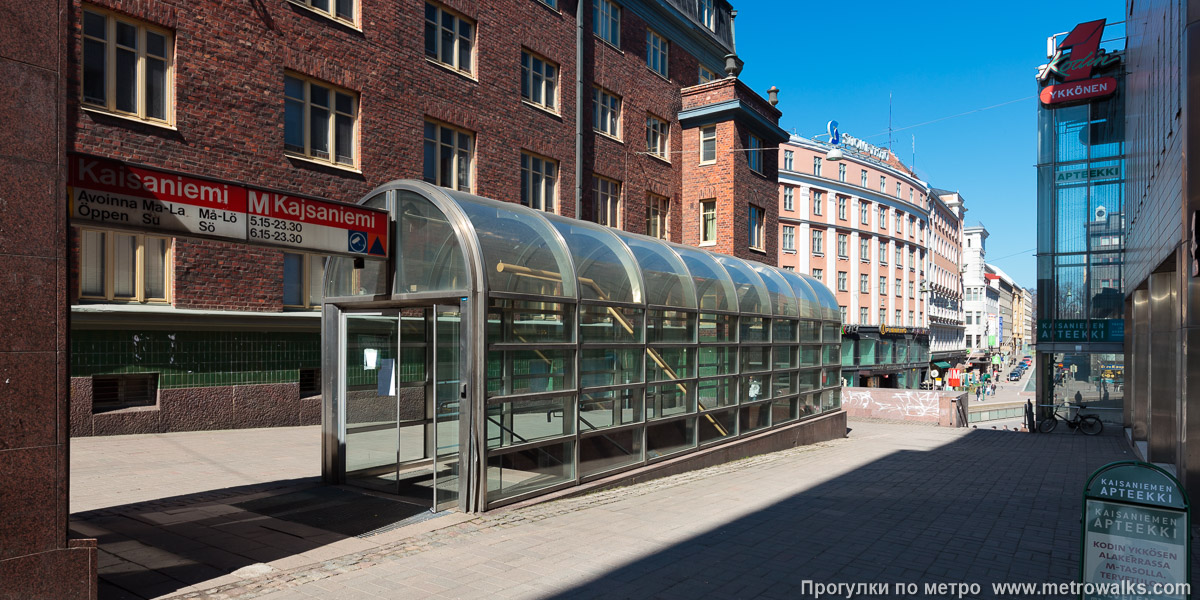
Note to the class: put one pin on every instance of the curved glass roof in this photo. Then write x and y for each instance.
(441, 233)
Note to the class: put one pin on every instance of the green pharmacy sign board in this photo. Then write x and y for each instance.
(1136, 534)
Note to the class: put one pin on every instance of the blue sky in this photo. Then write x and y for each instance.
(937, 59)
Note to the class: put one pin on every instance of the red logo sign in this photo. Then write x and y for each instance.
(1088, 89)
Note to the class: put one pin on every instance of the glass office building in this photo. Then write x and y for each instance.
(1081, 240)
(502, 353)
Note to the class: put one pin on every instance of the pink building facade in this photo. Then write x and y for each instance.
(861, 225)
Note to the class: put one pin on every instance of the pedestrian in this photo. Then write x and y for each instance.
(979, 394)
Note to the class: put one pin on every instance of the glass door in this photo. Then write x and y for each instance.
(372, 416)
(449, 399)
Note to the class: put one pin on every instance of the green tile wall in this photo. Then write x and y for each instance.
(196, 358)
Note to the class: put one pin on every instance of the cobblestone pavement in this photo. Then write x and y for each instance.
(890, 504)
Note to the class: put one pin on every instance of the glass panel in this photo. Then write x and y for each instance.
(755, 387)
(521, 252)
(344, 139)
(318, 129)
(752, 293)
(833, 354)
(808, 380)
(785, 357)
(866, 351)
(810, 331)
(91, 258)
(753, 329)
(753, 418)
(784, 410)
(668, 438)
(718, 426)
(293, 279)
(522, 321)
(611, 408)
(667, 400)
(530, 469)
(718, 328)
(600, 453)
(670, 326)
(126, 80)
(316, 278)
(714, 288)
(668, 364)
(372, 410)
(528, 371)
(605, 367)
(784, 383)
(156, 86)
(715, 393)
(609, 324)
(755, 358)
(124, 265)
(828, 301)
(430, 258)
(717, 360)
(810, 356)
(521, 421)
(95, 61)
(447, 407)
(811, 405)
(605, 269)
(784, 331)
(783, 299)
(667, 280)
(154, 268)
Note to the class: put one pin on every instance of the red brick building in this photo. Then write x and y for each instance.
(622, 120)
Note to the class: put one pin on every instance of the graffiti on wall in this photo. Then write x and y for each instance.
(889, 404)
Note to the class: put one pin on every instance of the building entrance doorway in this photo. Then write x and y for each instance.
(402, 385)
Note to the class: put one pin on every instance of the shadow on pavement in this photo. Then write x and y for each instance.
(150, 549)
(989, 507)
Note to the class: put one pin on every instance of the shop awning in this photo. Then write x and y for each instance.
(941, 364)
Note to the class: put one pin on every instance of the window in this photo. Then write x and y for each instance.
(123, 267)
(449, 152)
(882, 218)
(303, 280)
(818, 241)
(708, 144)
(970, 319)
(912, 259)
(708, 221)
(705, 75)
(708, 16)
(864, 249)
(898, 190)
(342, 10)
(882, 285)
(789, 197)
(882, 252)
(757, 218)
(899, 257)
(883, 184)
(843, 310)
(539, 80)
(606, 201)
(864, 210)
(819, 274)
(899, 223)
(910, 195)
(788, 158)
(898, 319)
(899, 288)
(657, 209)
(912, 287)
(789, 238)
(755, 154)
(842, 208)
(114, 392)
(864, 178)
(789, 268)
(842, 173)
(449, 38)
(841, 281)
(606, 21)
(882, 316)
(538, 181)
(817, 166)
(911, 316)
(818, 202)
(842, 246)
(864, 287)
(657, 131)
(127, 67)
(862, 316)
(656, 52)
(606, 112)
(319, 121)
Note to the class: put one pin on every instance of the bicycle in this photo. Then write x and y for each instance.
(1088, 424)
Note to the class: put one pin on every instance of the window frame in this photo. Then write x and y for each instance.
(306, 270)
(817, 166)
(608, 199)
(864, 284)
(818, 242)
(529, 77)
(708, 135)
(818, 202)
(818, 274)
(334, 91)
(789, 198)
(842, 202)
(456, 176)
(599, 106)
(658, 213)
(842, 284)
(606, 14)
(332, 12)
(708, 210)
(705, 75)
(843, 245)
(842, 172)
(788, 238)
(658, 50)
(456, 61)
(864, 179)
(139, 268)
(883, 184)
(547, 181)
(757, 228)
(140, 113)
(754, 154)
(661, 131)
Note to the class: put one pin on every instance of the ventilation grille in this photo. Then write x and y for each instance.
(114, 392)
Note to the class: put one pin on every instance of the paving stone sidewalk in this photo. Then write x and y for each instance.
(889, 504)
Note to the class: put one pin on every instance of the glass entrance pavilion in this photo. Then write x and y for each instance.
(502, 353)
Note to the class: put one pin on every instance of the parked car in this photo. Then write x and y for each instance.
(1014, 376)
